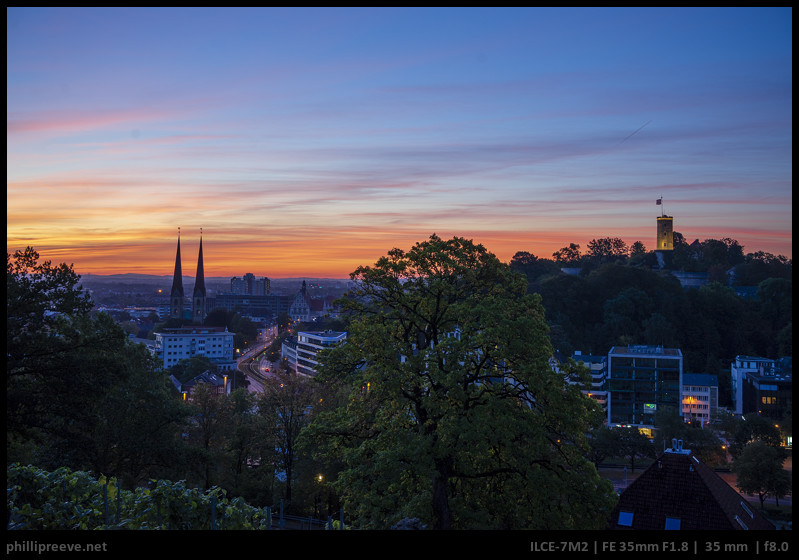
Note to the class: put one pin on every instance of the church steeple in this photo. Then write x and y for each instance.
(198, 298)
(176, 296)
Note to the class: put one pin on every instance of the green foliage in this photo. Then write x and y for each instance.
(283, 408)
(619, 300)
(453, 414)
(751, 428)
(68, 500)
(79, 393)
(759, 471)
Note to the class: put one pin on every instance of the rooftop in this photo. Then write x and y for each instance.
(701, 379)
(194, 330)
(678, 491)
(646, 350)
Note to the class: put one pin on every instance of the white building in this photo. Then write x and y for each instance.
(303, 357)
(738, 371)
(700, 397)
(215, 343)
(598, 366)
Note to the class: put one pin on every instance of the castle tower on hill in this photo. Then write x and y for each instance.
(176, 297)
(665, 233)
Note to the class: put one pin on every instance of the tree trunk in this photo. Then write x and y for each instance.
(442, 516)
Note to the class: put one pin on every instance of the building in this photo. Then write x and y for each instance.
(305, 308)
(640, 380)
(198, 309)
(253, 305)
(738, 371)
(215, 343)
(598, 366)
(218, 382)
(177, 306)
(300, 309)
(302, 354)
(665, 233)
(679, 492)
(176, 296)
(700, 397)
(249, 285)
(762, 385)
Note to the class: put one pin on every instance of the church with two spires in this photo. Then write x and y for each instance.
(177, 309)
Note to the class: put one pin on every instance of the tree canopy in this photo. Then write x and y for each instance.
(78, 392)
(452, 412)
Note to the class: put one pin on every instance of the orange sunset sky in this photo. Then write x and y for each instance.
(307, 142)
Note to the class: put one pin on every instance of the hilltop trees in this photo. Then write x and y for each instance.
(453, 414)
(617, 300)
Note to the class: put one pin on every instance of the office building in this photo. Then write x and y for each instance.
(640, 381)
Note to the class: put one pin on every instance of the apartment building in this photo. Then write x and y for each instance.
(215, 343)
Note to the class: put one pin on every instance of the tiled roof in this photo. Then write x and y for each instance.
(205, 377)
(680, 491)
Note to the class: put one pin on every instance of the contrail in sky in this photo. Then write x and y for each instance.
(634, 132)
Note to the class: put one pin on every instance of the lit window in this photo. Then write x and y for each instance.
(626, 518)
(672, 523)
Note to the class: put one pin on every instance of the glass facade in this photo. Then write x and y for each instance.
(640, 381)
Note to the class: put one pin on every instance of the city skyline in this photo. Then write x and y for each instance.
(308, 142)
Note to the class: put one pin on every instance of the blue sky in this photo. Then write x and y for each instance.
(311, 141)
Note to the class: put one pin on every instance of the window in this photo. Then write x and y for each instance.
(747, 510)
(672, 523)
(626, 518)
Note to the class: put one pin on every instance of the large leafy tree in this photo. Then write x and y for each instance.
(454, 414)
(759, 471)
(78, 392)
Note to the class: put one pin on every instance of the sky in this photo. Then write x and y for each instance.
(308, 142)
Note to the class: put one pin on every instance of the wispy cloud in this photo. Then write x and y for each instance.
(316, 140)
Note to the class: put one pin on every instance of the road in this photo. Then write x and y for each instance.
(255, 366)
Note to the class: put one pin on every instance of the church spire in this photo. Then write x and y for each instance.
(198, 298)
(176, 296)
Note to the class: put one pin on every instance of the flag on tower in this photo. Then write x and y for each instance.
(659, 201)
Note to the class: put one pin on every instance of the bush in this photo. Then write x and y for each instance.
(66, 500)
